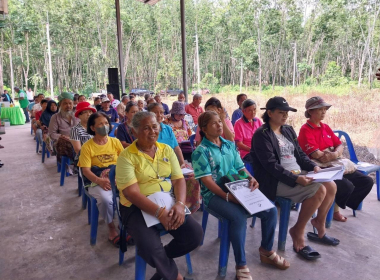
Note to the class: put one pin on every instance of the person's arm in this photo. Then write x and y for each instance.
(178, 152)
(76, 145)
(125, 144)
(228, 134)
(104, 183)
(239, 138)
(53, 128)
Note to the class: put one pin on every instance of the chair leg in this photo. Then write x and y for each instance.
(204, 224)
(58, 167)
(94, 221)
(189, 265)
(224, 249)
(89, 210)
(80, 187)
(140, 267)
(378, 184)
(38, 145)
(84, 199)
(284, 223)
(253, 222)
(43, 151)
(47, 154)
(63, 169)
(360, 207)
(330, 216)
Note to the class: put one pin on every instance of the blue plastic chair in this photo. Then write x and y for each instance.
(44, 151)
(223, 234)
(31, 130)
(62, 168)
(363, 169)
(81, 186)
(114, 126)
(192, 139)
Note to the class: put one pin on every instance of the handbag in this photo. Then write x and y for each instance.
(349, 166)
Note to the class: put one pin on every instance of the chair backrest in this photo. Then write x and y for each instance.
(191, 139)
(115, 191)
(350, 146)
(114, 126)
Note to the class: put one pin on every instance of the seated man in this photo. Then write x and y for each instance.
(238, 113)
(157, 98)
(114, 102)
(278, 161)
(121, 107)
(98, 103)
(110, 112)
(60, 126)
(194, 108)
(37, 125)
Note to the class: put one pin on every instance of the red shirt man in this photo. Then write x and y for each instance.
(194, 109)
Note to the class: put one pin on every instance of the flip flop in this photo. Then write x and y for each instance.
(115, 242)
(308, 253)
(328, 240)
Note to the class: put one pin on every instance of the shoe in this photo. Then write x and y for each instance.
(1, 147)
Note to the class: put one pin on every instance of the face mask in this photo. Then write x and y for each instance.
(103, 130)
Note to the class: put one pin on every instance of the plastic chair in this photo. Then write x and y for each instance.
(192, 139)
(330, 216)
(114, 126)
(81, 185)
(224, 248)
(62, 168)
(44, 152)
(38, 145)
(368, 168)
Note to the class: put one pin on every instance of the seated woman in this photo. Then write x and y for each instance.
(320, 143)
(245, 127)
(277, 161)
(181, 128)
(124, 130)
(37, 124)
(44, 121)
(214, 158)
(79, 134)
(142, 169)
(213, 104)
(166, 134)
(96, 155)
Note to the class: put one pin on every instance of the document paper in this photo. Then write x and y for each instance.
(253, 202)
(327, 174)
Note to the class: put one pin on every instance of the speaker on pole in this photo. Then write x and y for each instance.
(114, 89)
(113, 76)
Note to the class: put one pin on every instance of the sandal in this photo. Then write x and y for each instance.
(115, 241)
(339, 217)
(279, 262)
(243, 274)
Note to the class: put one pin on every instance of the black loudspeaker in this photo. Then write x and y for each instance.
(114, 89)
(113, 76)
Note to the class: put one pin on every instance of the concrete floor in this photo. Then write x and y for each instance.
(45, 235)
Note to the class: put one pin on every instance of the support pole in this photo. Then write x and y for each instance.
(120, 46)
(12, 79)
(183, 37)
(49, 55)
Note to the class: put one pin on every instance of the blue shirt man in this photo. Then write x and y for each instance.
(238, 113)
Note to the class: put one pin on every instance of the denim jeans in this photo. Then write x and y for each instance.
(237, 216)
(26, 113)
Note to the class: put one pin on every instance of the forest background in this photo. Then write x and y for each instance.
(293, 48)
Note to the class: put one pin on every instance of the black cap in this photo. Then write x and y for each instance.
(278, 102)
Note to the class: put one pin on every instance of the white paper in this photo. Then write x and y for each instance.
(328, 174)
(187, 171)
(162, 199)
(253, 202)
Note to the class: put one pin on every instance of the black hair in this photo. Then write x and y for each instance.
(129, 105)
(34, 98)
(40, 94)
(213, 101)
(97, 98)
(75, 98)
(91, 122)
(203, 120)
(239, 96)
(247, 103)
(44, 101)
(76, 95)
(151, 106)
(81, 96)
(265, 116)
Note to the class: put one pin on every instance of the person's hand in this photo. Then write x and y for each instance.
(327, 157)
(232, 199)
(104, 183)
(177, 214)
(165, 219)
(253, 184)
(378, 74)
(65, 137)
(317, 169)
(222, 114)
(304, 180)
(183, 165)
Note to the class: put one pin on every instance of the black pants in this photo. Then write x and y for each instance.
(352, 189)
(186, 238)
